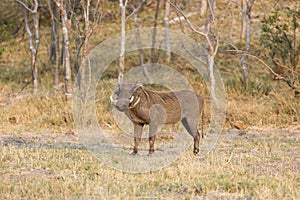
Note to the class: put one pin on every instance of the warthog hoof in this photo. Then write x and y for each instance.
(151, 151)
(196, 151)
(134, 152)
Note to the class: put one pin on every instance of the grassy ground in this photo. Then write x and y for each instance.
(243, 165)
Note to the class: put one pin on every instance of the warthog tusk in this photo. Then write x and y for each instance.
(111, 99)
(135, 103)
(131, 99)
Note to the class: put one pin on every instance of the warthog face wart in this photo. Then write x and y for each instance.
(143, 106)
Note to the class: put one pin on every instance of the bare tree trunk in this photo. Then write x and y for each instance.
(243, 19)
(34, 55)
(187, 6)
(153, 54)
(210, 64)
(212, 45)
(122, 44)
(82, 31)
(33, 46)
(62, 54)
(57, 63)
(88, 30)
(54, 47)
(78, 44)
(211, 19)
(52, 7)
(246, 12)
(34, 73)
(244, 58)
(203, 7)
(83, 25)
(68, 73)
(66, 54)
(139, 45)
(167, 35)
(231, 25)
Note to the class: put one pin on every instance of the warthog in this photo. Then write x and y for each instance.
(143, 106)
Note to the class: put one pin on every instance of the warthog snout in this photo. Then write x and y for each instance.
(121, 104)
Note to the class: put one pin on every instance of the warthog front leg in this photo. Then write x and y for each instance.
(138, 129)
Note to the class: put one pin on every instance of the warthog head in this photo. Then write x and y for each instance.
(124, 97)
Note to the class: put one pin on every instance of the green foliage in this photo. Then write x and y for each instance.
(10, 22)
(257, 86)
(280, 35)
(5, 28)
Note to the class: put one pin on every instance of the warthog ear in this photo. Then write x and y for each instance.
(111, 98)
(136, 86)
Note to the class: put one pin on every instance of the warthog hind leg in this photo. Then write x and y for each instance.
(157, 117)
(153, 127)
(151, 144)
(191, 127)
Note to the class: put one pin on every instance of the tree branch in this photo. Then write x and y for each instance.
(186, 19)
(34, 10)
(205, 35)
(277, 76)
(176, 19)
(136, 9)
(238, 5)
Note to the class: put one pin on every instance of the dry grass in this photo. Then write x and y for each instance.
(36, 114)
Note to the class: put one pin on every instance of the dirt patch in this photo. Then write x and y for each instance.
(29, 140)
